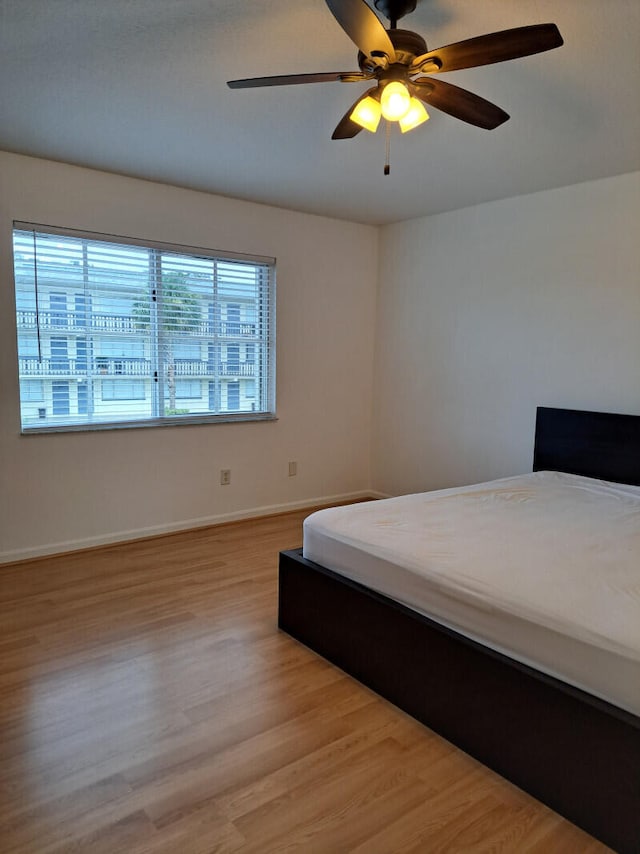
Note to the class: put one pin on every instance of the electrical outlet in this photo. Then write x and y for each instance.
(293, 469)
(225, 477)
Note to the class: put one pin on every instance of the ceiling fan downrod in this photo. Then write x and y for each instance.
(395, 9)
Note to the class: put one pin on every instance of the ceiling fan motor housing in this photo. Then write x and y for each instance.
(407, 46)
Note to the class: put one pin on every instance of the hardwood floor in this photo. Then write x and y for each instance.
(148, 703)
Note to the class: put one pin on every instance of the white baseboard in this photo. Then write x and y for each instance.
(373, 493)
(14, 555)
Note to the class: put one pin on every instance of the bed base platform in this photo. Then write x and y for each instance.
(574, 752)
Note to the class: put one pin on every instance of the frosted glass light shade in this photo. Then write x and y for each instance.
(395, 101)
(367, 114)
(415, 116)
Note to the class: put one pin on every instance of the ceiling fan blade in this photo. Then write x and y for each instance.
(346, 129)
(363, 27)
(494, 47)
(293, 79)
(459, 103)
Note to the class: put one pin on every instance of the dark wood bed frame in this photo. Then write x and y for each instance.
(572, 751)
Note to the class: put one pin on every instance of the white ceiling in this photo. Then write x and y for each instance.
(138, 87)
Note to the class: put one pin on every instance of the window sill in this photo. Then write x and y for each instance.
(231, 418)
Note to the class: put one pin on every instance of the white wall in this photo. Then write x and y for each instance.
(487, 312)
(483, 314)
(66, 490)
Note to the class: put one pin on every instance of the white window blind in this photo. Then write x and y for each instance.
(114, 333)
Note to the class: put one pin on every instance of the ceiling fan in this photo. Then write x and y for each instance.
(402, 68)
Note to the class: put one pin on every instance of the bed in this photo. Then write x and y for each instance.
(566, 732)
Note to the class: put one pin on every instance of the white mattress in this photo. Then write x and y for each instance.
(544, 567)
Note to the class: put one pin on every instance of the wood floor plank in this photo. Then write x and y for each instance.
(149, 705)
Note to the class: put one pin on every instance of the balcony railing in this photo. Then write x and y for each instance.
(237, 369)
(69, 321)
(79, 367)
(82, 322)
(101, 366)
(194, 368)
(235, 330)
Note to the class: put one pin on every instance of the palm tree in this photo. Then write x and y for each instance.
(178, 314)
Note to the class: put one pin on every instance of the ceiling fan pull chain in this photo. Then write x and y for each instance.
(387, 167)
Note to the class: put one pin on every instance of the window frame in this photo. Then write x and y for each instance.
(265, 306)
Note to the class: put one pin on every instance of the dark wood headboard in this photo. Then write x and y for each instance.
(595, 444)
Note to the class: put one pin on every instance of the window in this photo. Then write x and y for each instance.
(81, 354)
(233, 358)
(83, 398)
(81, 304)
(58, 304)
(188, 389)
(131, 328)
(233, 395)
(60, 398)
(233, 319)
(32, 390)
(59, 355)
(187, 351)
(28, 348)
(123, 390)
(120, 347)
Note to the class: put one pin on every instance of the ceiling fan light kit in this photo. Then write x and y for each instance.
(403, 69)
(367, 113)
(395, 101)
(416, 115)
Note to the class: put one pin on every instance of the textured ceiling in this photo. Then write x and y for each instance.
(138, 87)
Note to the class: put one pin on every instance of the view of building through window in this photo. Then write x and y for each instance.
(119, 333)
